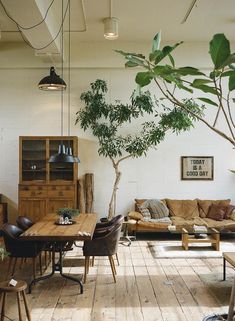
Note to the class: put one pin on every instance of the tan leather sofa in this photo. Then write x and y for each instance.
(186, 213)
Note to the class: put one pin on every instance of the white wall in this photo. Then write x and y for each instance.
(27, 111)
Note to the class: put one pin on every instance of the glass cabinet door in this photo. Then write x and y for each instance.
(34, 160)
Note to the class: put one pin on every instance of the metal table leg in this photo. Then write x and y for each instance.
(57, 267)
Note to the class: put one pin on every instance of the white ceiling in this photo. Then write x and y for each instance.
(139, 20)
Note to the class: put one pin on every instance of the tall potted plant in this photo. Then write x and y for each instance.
(106, 121)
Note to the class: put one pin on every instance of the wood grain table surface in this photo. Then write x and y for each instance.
(47, 230)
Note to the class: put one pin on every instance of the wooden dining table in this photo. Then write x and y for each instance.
(48, 230)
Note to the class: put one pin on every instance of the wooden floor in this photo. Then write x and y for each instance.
(146, 290)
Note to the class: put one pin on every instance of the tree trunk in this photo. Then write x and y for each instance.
(112, 203)
(89, 192)
(81, 196)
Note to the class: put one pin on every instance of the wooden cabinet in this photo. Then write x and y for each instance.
(3, 213)
(44, 187)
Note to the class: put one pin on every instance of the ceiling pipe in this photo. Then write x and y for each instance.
(189, 11)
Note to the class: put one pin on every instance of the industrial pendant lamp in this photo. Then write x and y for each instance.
(69, 149)
(62, 156)
(111, 26)
(52, 82)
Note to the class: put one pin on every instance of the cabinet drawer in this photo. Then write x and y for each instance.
(66, 191)
(33, 191)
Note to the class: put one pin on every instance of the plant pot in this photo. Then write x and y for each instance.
(104, 220)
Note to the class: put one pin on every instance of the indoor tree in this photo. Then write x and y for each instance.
(106, 121)
(206, 90)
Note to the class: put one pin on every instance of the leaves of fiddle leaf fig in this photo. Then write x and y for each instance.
(208, 101)
(156, 42)
(231, 82)
(219, 50)
(143, 78)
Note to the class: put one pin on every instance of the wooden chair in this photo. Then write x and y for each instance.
(103, 244)
(20, 249)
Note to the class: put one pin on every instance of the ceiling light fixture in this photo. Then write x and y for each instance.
(62, 156)
(52, 82)
(110, 26)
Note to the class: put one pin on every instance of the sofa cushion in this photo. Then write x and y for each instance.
(217, 212)
(219, 225)
(135, 215)
(145, 226)
(182, 222)
(204, 205)
(183, 208)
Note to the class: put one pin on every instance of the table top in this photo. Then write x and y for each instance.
(47, 230)
(190, 230)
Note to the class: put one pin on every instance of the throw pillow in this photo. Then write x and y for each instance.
(229, 211)
(217, 212)
(183, 208)
(143, 209)
(157, 208)
(204, 205)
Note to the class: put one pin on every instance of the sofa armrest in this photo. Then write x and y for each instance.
(135, 216)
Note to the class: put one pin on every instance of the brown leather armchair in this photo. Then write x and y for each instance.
(105, 244)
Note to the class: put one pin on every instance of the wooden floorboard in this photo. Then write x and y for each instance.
(147, 289)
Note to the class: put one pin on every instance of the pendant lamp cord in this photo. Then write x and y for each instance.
(69, 66)
(62, 66)
(110, 8)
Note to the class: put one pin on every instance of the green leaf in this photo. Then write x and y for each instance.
(227, 73)
(206, 89)
(233, 99)
(143, 78)
(229, 61)
(165, 52)
(199, 82)
(156, 42)
(219, 50)
(231, 82)
(155, 54)
(208, 101)
(185, 71)
(171, 60)
(131, 64)
(126, 54)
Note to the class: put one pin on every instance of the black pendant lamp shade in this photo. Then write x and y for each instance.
(52, 82)
(69, 152)
(62, 156)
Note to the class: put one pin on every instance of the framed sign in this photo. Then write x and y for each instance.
(197, 168)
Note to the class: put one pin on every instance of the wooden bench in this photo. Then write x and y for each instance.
(230, 258)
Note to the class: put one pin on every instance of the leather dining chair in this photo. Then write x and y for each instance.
(19, 249)
(104, 243)
(101, 228)
(24, 222)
